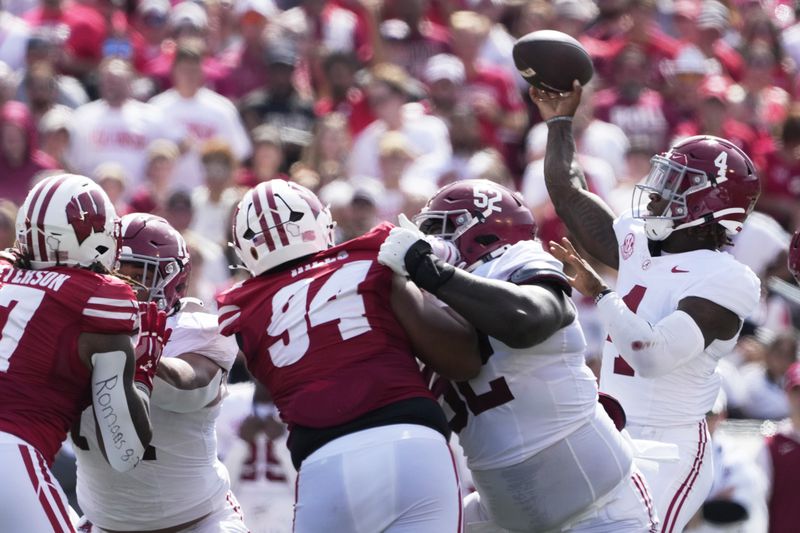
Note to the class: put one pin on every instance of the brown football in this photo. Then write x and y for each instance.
(550, 60)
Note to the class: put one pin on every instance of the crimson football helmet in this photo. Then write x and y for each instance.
(68, 220)
(150, 242)
(481, 217)
(794, 256)
(278, 221)
(704, 179)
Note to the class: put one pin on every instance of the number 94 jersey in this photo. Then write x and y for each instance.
(322, 337)
(523, 400)
(652, 287)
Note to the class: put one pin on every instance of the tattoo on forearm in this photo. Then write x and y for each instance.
(588, 218)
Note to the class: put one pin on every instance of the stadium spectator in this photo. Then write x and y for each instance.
(249, 62)
(780, 458)
(20, 157)
(781, 172)
(214, 201)
(411, 38)
(342, 94)
(116, 127)
(267, 161)
(54, 134)
(488, 89)
(388, 92)
(14, 34)
(112, 179)
(148, 32)
(445, 77)
(764, 383)
(280, 104)
(629, 104)
(198, 112)
(327, 153)
(8, 217)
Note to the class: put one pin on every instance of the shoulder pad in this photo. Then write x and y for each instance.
(536, 274)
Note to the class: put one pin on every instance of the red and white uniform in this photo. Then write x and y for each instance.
(671, 408)
(44, 386)
(180, 478)
(322, 337)
(532, 414)
(780, 461)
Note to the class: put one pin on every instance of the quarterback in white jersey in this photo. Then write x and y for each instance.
(680, 301)
(530, 423)
(180, 483)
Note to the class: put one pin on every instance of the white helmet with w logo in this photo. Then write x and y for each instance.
(67, 220)
(278, 221)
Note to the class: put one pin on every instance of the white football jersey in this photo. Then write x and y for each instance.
(652, 287)
(180, 473)
(523, 400)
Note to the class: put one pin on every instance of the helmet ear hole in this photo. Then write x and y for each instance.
(254, 253)
(486, 240)
(101, 249)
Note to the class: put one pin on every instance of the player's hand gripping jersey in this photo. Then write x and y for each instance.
(44, 386)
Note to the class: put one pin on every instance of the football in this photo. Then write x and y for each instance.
(550, 60)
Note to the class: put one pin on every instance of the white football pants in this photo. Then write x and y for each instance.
(679, 488)
(30, 497)
(585, 482)
(395, 479)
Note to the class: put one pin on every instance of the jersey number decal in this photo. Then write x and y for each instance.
(337, 300)
(632, 300)
(17, 306)
(497, 395)
(721, 162)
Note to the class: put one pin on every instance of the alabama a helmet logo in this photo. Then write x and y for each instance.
(86, 213)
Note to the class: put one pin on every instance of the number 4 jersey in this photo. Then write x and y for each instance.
(652, 287)
(321, 335)
(523, 400)
(44, 386)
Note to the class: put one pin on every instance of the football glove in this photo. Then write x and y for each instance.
(153, 335)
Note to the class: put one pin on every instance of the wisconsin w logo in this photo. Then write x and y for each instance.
(86, 213)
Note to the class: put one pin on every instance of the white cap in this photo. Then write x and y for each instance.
(266, 8)
(188, 13)
(445, 67)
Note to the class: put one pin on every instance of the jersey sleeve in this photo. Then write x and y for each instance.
(112, 308)
(229, 311)
(199, 333)
(734, 287)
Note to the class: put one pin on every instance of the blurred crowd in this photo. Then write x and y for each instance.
(175, 108)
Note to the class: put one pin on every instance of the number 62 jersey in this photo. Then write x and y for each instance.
(321, 335)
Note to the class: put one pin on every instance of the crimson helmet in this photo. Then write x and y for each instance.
(150, 241)
(794, 256)
(481, 217)
(705, 179)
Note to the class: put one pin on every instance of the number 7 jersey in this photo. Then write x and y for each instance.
(652, 287)
(322, 337)
(44, 386)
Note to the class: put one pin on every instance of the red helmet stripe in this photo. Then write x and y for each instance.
(29, 216)
(43, 212)
(274, 213)
(260, 214)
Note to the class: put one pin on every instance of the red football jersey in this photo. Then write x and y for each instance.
(322, 336)
(44, 386)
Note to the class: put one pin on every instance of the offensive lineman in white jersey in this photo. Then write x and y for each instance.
(180, 485)
(680, 301)
(530, 423)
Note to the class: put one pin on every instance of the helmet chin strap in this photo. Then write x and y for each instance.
(658, 229)
(488, 257)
